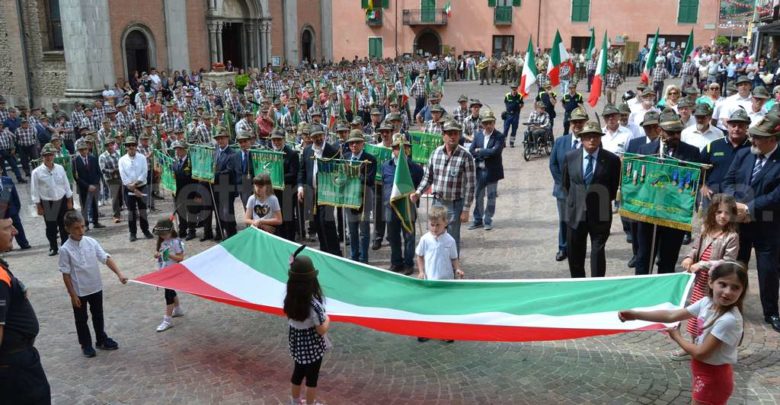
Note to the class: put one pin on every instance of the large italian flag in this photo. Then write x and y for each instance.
(601, 73)
(558, 56)
(250, 270)
(650, 61)
(528, 78)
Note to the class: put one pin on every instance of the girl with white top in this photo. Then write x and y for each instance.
(262, 207)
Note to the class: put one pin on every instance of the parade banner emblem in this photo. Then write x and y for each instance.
(271, 162)
(249, 270)
(423, 144)
(339, 184)
(202, 162)
(382, 155)
(659, 191)
(165, 163)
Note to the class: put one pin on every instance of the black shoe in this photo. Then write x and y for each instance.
(512, 145)
(629, 238)
(686, 239)
(422, 339)
(449, 341)
(98, 226)
(409, 270)
(632, 262)
(397, 268)
(22, 181)
(88, 351)
(157, 197)
(205, 238)
(376, 245)
(53, 252)
(133, 238)
(109, 344)
(560, 256)
(773, 320)
(148, 235)
(190, 236)
(25, 247)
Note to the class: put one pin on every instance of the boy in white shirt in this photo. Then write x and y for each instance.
(79, 257)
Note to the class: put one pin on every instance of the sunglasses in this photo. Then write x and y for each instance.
(673, 92)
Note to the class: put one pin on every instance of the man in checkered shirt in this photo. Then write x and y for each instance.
(66, 131)
(3, 110)
(472, 123)
(658, 75)
(202, 133)
(136, 125)
(99, 111)
(78, 114)
(8, 153)
(434, 125)
(451, 173)
(168, 118)
(591, 69)
(613, 81)
(109, 167)
(27, 145)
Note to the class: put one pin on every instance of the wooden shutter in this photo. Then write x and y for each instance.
(515, 3)
(385, 3)
(580, 10)
(364, 4)
(491, 3)
(688, 11)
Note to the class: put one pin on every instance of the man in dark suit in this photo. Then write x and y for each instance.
(286, 196)
(652, 132)
(246, 169)
(754, 180)
(226, 175)
(668, 241)
(562, 146)
(324, 218)
(359, 220)
(590, 180)
(487, 146)
(186, 191)
(11, 205)
(86, 171)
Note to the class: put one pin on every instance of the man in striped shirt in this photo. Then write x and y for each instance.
(27, 145)
(8, 153)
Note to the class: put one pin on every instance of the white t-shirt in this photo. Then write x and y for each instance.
(438, 254)
(80, 260)
(693, 136)
(616, 142)
(264, 209)
(727, 329)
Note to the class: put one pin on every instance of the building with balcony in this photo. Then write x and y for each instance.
(497, 27)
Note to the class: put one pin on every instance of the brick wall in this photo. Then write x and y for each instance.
(148, 13)
(198, 35)
(309, 15)
(277, 28)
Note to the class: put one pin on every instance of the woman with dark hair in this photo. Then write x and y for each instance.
(308, 323)
(134, 80)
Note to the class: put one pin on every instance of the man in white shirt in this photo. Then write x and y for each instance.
(625, 112)
(646, 103)
(685, 108)
(133, 171)
(615, 137)
(742, 99)
(756, 111)
(701, 134)
(51, 193)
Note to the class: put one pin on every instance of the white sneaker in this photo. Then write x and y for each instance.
(177, 312)
(165, 325)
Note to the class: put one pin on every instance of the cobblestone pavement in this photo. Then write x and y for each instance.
(227, 355)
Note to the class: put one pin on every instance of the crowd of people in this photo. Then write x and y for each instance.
(107, 147)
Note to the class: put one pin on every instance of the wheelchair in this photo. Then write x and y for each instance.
(535, 143)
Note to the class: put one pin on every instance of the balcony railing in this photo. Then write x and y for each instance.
(376, 21)
(502, 15)
(425, 16)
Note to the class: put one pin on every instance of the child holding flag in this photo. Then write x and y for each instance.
(170, 250)
(715, 349)
(309, 323)
(437, 253)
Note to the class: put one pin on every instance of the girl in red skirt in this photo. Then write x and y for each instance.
(718, 240)
(715, 349)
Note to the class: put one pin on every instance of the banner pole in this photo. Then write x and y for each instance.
(216, 211)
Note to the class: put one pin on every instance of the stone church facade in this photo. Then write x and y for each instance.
(56, 50)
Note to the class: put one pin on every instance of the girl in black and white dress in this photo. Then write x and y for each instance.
(308, 325)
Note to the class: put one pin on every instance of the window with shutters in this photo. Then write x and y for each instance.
(52, 25)
(375, 47)
(688, 11)
(580, 10)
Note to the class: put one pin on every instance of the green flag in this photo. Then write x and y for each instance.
(423, 144)
(165, 162)
(591, 44)
(339, 184)
(688, 46)
(399, 197)
(202, 158)
(271, 162)
(382, 155)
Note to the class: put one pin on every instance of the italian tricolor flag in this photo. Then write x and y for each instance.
(650, 61)
(558, 56)
(600, 76)
(528, 78)
(403, 187)
(250, 270)
(448, 9)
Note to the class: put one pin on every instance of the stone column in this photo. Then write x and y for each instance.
(291, 31)
(220, 56)
(86, 35)
(326, 17)
(176, 34)
(265, 38)
(213, 42)
(251, 34)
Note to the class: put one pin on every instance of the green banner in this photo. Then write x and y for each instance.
(202, 158)
(271, 162)
(659, 191)
(165, 163)
(67, 164)
(382, 155)
(423, 144)
(338, 183)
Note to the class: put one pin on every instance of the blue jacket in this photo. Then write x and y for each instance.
(635, 144)
(561, 147)
(490, 157)
(761, 194)
(86, 176)
(388, 177)
(9, 197)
